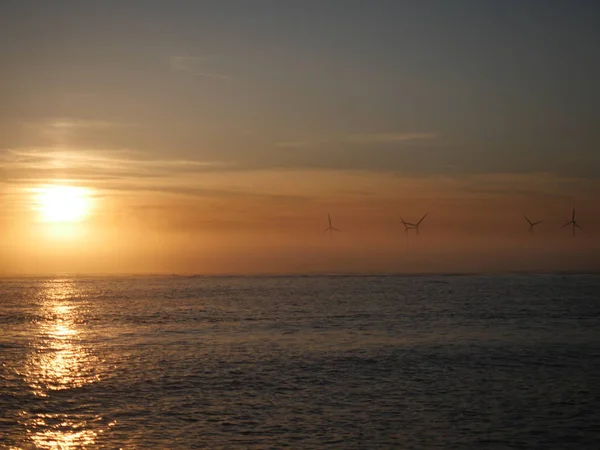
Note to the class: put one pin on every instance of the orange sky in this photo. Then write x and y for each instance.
(215, 138)
(273, 222)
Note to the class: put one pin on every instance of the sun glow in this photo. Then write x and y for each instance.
(63, 203)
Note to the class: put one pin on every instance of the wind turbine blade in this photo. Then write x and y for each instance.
(419, 222)
(573, 216)
(527, 219)
(566, 224)
(538, 222)
(335, 229)
(577, 225)
(329, 218)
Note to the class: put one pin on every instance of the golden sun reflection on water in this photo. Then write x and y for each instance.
(59, 363)
(59, 432)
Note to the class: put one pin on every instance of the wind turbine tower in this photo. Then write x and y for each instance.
(573, 223)
(330, 228)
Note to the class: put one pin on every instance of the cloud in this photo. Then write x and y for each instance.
(109, 159)
(530, 184)
(377, 138)
(183, 63)
(68, 126)
(74, 124)
(30, 166)
(136, 180)
(194, 65)
(135, 171)
(364, 138)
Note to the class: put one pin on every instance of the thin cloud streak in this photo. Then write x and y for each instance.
(124, 167)
(109, 159)
(364, 138)
(74, 124)
(192, 65)
(183, 63)
(79, 123)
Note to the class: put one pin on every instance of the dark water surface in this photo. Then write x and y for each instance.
(484, 362)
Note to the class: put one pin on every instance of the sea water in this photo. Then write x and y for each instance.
(482, 362)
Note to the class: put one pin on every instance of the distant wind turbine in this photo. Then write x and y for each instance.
(407, 226)
(412, 226)
(330, 228)
(573, 223)
(532, 224)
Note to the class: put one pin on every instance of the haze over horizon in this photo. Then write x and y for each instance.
(215, 137)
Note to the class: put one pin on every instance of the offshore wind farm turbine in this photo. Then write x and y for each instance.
(330, 228)
(412, 226)
(573, 223)
(532, 224)
(407, 226)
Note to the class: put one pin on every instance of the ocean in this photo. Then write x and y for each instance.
(352, 362)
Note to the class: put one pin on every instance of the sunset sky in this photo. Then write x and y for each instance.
(216, 136)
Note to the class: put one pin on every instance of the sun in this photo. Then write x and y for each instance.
(63, 203)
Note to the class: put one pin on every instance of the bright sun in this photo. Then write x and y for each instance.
(63, 203)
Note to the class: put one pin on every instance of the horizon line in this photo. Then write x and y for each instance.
(295, 274)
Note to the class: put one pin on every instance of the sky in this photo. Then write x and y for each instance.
(216, 136)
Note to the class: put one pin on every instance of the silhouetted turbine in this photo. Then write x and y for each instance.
(407, 226)
(532, 224)
(330, 228)
(412, 226)
(573, 223)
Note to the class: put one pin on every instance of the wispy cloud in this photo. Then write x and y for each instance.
(361, 138)
(195, 65)
(34, 158)
(61, 126)
(182, 63)
(134, 177)
(73, 124)
(27, 166)
(389, 137)
(533, 184)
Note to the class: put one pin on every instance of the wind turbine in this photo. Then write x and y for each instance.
(407, 226)
(412, 226)
(330, 228)
(573, 223)
(532, 224)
